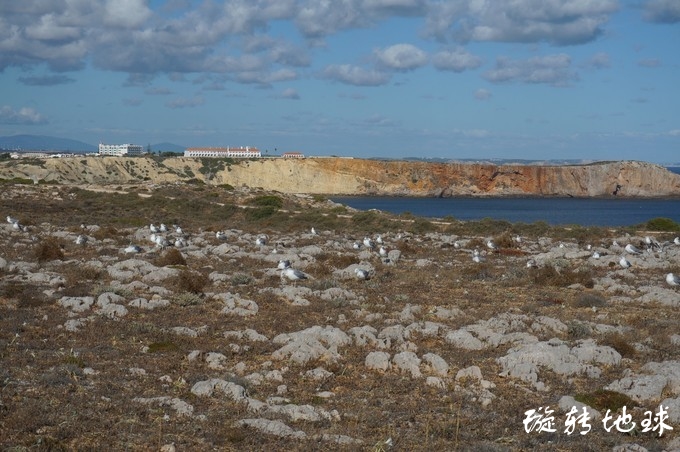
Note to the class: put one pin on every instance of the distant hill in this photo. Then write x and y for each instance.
(44, 143)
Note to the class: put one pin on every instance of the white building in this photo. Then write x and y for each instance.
(119, 150)
(239, 152)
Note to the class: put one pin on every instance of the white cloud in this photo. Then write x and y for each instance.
(557, 22)
(662, 11)
(550, 69)
(24, 115)
(354, 75)
(126, 13)
(186, 102)
(401, 57)
(598, 61)
(457, 60)
(482, 94)
(290, 93)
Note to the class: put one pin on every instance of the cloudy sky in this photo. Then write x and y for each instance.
(534, 79)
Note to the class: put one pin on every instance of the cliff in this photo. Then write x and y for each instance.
(342, 176)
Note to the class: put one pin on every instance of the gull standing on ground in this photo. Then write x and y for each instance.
(531, 263)
(261, 240)
(11, 220)
(382, 251)
(221, 235)
(368, 243)
(81, 239)
(153, 228)
(132, 249)
(293, 274)
(652, 243)
(163, 228)
(379, 240)
(313, 231)
(596, 255)
(632, 249)
(178, 230)
(361, 273)
(283, 264)
(491, 245)
(623, 262)
(356, 245)
(672, 280)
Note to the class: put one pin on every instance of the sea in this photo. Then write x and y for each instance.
(553, 210)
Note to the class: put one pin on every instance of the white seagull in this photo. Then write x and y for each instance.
(672, 280)
(81, 239)
(180, 242)
(163, 228)
(652, 243)
(382, 251)
(491, 245)
(261, 240)
(221, 235)
(153, 228)
(368, 243)
(596, 255)
(632, 249)
(676, 240)
(356, 245)
(531, 263)
(361, 273)
(283, 264)
(624, 262)
(11, 220)
(132, 249)
(313, 231)
(178, 230)
(379, 239)
(293, 274)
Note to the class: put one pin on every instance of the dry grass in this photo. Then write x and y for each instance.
(50, 401)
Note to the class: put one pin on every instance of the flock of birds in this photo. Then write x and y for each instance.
(160, 239)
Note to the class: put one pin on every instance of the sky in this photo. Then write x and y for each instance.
(458, 79)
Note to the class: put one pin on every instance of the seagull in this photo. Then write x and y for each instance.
(624, 262)
(81, 239)
(596, 255)
(672, 280)
(531, 263)
(11, 220)
(313, 231)
(163, 228)
(491, 245)
(153, 237)
(261, 240)
(368, 243)
(632, 249)
(676, 240)
(651, 243)
(162, 241)
(382, 251)
(153, 228)
(589, 247)
(178, 230)
(293, 274)
(221, 235)
(132, 249)
(283, 264)
(361, 273)
(379, 240)
(456, 244)
(477, 258)
(517, 239)
(180, 243)
(356, 245)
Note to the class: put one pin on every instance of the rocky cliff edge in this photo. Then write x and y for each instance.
(344, 176)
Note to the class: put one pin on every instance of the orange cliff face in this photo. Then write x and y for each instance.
(344, 176)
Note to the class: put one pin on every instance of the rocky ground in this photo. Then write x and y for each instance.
(199, 342)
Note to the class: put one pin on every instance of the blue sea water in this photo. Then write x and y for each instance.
(555, 211)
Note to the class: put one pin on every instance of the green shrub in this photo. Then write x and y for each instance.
(662, 224)
(267, 201)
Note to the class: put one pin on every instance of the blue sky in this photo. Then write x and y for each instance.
(528, 79)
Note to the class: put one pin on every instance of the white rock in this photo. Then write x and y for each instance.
(408, 362)
(378, 361)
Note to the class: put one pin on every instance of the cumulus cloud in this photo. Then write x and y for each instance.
(185, 102)
(401, 57)
(550, 69)
(662, 11)
(557, 22)
(457, 60)
(354, 75)
(24, 116)
(46, 80)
